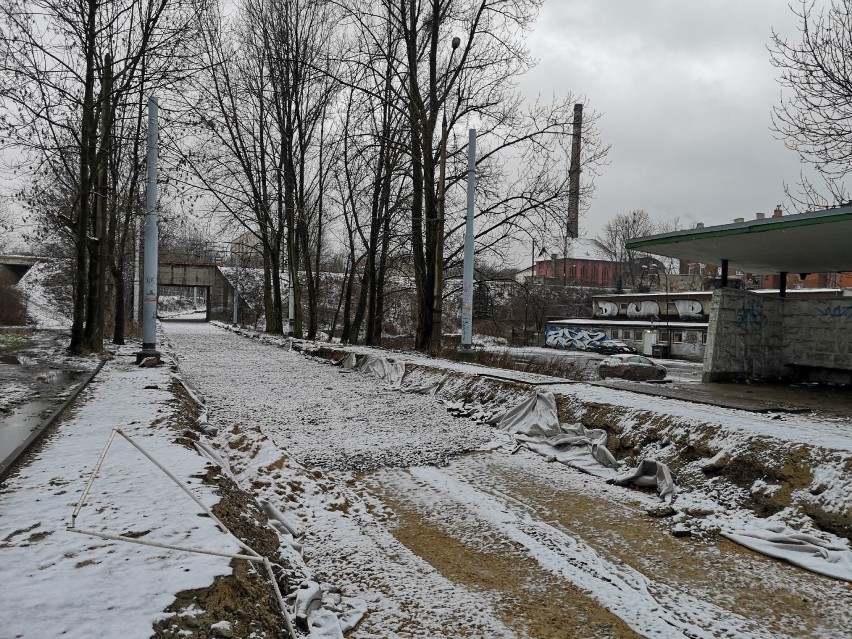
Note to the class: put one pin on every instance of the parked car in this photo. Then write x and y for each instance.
(611, 347)
(632, 367)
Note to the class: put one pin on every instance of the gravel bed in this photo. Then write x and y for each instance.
(323, 417)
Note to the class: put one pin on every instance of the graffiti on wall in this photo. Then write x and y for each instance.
(648, 308)
(607, 309)
(839, 312)
(689, 309)
(573, 337)
(751, 314)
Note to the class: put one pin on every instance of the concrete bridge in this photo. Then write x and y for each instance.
(220, 292)
(14, 267)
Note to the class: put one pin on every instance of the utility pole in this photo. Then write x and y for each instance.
(149, 298)
(466, 351)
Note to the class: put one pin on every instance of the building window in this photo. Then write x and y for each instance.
(615, 333)
(623, 306)
(704, 338)
(677, 337)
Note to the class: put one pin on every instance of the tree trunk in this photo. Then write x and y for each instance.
(87, 140)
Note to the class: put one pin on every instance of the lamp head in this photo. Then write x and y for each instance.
(456, 42)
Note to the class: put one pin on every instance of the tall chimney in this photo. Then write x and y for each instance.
(574, 174)
(777, 211)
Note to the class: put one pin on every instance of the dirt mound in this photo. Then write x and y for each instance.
(242, 604)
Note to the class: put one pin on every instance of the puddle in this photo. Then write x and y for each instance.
(17, 426)
(35, 380)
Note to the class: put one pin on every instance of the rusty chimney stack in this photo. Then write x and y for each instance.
(777, 212)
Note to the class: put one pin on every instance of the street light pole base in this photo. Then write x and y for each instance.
(466, 354)
(148, 354)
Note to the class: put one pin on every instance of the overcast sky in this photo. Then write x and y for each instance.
(686, 90)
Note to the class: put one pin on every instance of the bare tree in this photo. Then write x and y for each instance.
(814, 117)
(477, 81)
(613, 238)
(257, 116)
(69, 70)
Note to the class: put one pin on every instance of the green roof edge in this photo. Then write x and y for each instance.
(764, 227)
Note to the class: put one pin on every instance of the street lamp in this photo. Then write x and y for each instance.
(438, 289)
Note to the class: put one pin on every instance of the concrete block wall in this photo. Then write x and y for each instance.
(818, 333)
(220, 292)
(691, 348)
(767, 337)
(745, 337)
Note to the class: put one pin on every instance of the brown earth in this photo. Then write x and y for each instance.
(244, 598)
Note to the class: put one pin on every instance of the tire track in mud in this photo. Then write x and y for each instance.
(486, 522)
(777, 597)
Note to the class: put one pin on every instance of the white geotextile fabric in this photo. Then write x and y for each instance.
(805, 551)
(387, 370)
(534, 422)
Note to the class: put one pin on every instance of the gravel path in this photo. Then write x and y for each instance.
(323, 417)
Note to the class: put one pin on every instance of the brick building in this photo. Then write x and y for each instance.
(586, 263)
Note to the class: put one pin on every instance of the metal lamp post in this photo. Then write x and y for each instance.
(149, 291)
(438, 267)
(668, 332)
(466, 351)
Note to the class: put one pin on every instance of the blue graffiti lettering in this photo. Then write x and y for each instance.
(578, 338)
(751, 314)
(844, 312)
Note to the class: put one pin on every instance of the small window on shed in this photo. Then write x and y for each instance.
(623, 306)
(677, 337)
(615, 333)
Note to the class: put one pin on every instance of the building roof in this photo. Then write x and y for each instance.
(791, 292)
(628, 323)
(587, 249)
(814, 242)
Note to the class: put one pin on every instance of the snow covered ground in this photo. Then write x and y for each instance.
(438, 526)
(485, 549)
(62, 583)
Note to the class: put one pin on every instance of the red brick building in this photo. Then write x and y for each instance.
(585, 264)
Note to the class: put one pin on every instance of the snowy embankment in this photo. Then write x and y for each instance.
(46, 301)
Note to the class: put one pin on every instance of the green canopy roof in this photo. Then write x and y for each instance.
(814, 242)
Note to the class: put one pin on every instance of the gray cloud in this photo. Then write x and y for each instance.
(686, 89)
